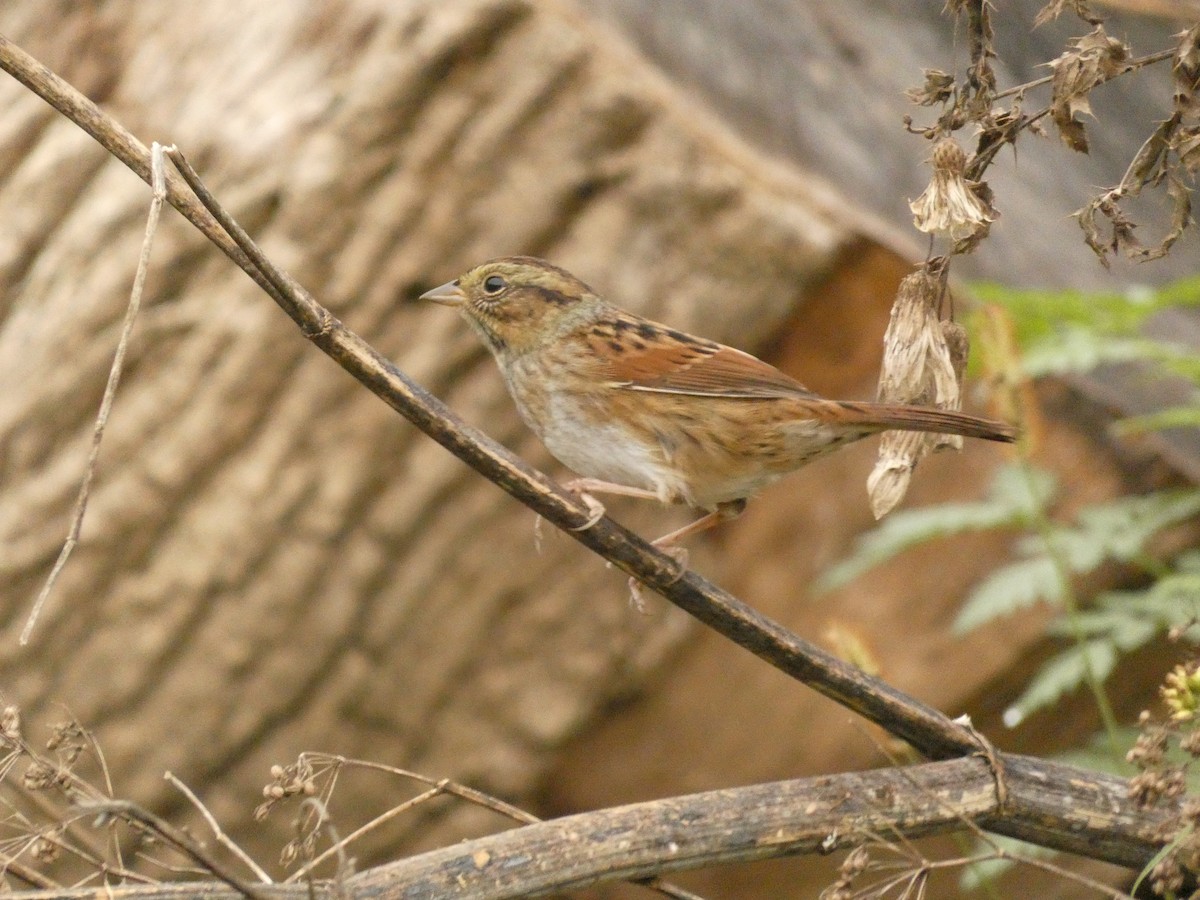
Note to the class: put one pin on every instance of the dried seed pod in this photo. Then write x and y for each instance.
(953, 205)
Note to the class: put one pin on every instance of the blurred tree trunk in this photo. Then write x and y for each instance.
(272, 561)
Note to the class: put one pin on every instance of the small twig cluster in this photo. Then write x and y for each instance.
(43, 794)
(958, 203)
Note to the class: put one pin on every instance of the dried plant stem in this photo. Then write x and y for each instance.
(110, 389)
(223, 839)
(1134, 64)
(180, 840)
(436, 788)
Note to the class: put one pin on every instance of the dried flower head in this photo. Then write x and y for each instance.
(953, 205)
(294, 780)
(1181, 692)
(938, 88)
(39, 776)
(47, 847)
(10, 725)
(918, 367)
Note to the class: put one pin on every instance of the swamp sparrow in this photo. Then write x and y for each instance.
(643, 410)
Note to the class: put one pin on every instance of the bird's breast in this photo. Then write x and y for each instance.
(584, 428)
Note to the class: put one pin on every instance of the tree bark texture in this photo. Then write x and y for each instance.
(272, 562)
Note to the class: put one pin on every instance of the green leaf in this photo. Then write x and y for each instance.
(1120, 528)
(1061, 675)
(1097, 754)
(1115, 530)
(1122, 628)
(1010, 588)
(1174, 599)
(989, 870)
(1014, 496)
(1171, 417)
(1184, 292)
(1079, 349)
(1039, 312)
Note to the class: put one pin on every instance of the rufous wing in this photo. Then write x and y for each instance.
(658, 359)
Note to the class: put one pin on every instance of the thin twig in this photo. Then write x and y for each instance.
(110, 389)
(1140, 62)
(339, 848)
(178, 839)
(345, 866)
(101, 761)
(29, 875)
(435, 788)
(223, 839)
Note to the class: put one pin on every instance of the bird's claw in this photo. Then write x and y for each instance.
(636, 599)
(677, 553)
(680, 555)
(596, 510)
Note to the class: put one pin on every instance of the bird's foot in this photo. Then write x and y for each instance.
(679, 554)
(596, 510)
(586, 489)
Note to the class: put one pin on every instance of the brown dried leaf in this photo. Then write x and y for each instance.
(1089, 61)
(1185, 69)
(1091, 232)
(1181, 218)
(1147, 165)
(1055, 8)
(980, 76)
(1071, 130)
(1122, 229)
(1121, 233)
(938, 88)
(1186, 144)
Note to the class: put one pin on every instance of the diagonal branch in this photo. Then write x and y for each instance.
(927, 729)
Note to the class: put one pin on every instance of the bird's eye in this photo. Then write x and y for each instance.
(494, 284)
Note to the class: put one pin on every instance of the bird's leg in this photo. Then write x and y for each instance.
(669, 543)
(724, 512)
(584, 488)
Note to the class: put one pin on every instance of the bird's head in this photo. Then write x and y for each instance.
(518, 303)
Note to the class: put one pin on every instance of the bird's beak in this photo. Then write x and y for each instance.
(448, 294)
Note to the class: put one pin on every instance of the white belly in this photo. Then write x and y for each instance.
(591, 444)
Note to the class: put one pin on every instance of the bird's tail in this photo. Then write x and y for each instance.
(904, 417)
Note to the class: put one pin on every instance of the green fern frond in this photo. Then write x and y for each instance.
(1063, 674)
(1036, 313)
(1120, 529)
(1009, 589)
(1123, 628)
(1075, 349)
(1011, 501)
(1171, 417)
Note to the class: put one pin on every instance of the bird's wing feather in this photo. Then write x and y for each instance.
(660, 360)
